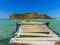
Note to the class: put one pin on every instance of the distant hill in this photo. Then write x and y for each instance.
(29, 16)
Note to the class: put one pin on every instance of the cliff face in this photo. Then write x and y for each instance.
(29, 16)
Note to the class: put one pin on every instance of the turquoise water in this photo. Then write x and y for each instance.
(7, 27)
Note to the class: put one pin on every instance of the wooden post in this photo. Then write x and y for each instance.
(47, 23)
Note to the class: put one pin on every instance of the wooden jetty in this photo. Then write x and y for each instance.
(34, 33)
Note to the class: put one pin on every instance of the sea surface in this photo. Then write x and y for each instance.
(7, 27)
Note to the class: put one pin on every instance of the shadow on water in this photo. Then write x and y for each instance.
(5, 41)
(54, 31)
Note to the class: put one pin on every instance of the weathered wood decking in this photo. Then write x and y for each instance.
(42, 34)
(37, 29)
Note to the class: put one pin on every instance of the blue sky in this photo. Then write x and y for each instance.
(49, 7)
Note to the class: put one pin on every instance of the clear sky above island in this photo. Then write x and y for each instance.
(49, 7)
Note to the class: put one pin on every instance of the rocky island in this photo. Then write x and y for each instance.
(29, 16)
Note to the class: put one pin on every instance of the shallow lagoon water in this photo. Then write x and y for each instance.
(7, 27)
